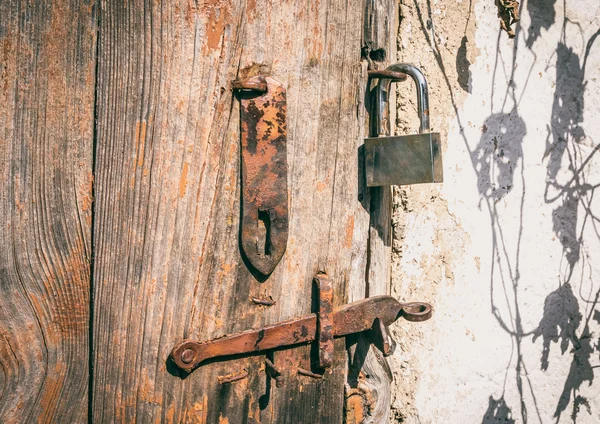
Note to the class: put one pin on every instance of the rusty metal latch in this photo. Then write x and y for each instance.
(405, 159)
(325, 330)
(374, 314)
(264, 223)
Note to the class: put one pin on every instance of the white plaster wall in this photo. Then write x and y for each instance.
(508, 247)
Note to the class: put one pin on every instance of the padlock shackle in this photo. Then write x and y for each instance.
(381, 109)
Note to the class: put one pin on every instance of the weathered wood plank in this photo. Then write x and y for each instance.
(369, 377)
(167, 263)
(47, 65)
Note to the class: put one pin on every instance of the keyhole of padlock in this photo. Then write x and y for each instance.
(263, 239)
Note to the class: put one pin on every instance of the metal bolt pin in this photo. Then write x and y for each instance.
(187, 356)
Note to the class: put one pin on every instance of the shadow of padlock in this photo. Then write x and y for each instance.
(403, 159)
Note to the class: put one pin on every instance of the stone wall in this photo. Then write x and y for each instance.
(508, 247)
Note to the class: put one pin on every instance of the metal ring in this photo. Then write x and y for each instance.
(261, 86)
(417, 311)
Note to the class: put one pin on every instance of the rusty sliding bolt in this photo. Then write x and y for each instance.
(352, 318)
(264, 223)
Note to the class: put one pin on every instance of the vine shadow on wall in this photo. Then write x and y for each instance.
(495, 160)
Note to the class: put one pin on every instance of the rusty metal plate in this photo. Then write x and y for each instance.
(264, 224)
(403, 160)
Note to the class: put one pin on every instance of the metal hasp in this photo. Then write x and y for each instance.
(405, 159)
(374, 314)
(264, 224)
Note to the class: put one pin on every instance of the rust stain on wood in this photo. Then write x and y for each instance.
(200, 410)
(218, 17)
(355, 408)
(349, 232)
(146, 392)
(170, 414)
(53, 383)
(183, 180)
(190, 13)
(251, 11)
(360, 402)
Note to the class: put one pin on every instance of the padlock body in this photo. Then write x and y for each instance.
(403, 160)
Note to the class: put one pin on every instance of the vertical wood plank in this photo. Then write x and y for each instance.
(368, 395)
(167, 261)
(47, 71)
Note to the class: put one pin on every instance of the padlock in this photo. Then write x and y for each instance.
(404, 159)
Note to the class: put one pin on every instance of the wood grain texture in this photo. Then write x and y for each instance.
(47, 65)
(167, 262)
(368, 393)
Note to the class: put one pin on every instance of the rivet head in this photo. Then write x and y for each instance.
(187, 356)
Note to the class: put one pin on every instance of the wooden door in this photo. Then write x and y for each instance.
(120, 157)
